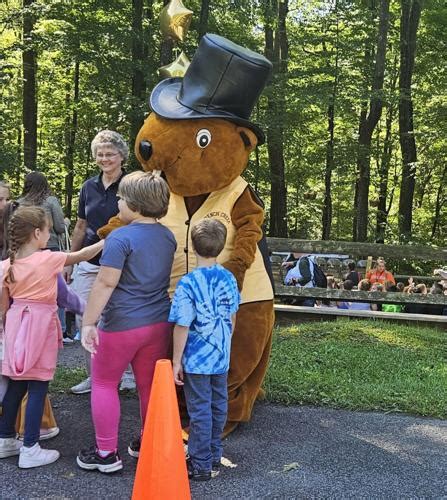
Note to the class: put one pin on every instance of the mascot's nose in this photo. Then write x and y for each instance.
(145, 150)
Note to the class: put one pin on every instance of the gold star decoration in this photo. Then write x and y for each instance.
(176, 68)
(175, 19)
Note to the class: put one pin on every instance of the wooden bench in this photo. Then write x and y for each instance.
(284, 293)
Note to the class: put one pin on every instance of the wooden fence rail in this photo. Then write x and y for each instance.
(416, 252)
(358, 296)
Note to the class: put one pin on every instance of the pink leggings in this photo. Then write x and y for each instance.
(141, 347)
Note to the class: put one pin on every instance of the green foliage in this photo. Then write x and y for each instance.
(65, 378)
(327, 41)
(360, 365)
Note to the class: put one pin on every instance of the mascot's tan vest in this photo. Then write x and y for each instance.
(218, 205)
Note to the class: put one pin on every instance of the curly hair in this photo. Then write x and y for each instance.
(114, 139)
(20, 229)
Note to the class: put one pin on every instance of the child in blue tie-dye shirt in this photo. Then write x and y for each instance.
(203, 310)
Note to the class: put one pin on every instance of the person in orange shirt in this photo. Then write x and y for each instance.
(379, 274)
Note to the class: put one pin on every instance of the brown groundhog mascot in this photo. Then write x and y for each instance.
(199, 135)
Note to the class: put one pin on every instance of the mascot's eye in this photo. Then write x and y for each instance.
(203, 138)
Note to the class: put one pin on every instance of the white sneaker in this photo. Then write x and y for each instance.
(83, 387)
(45, 434)
(9, 447)
(67, 340)
(127, 382)
(35, 456)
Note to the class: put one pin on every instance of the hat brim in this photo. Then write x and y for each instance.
(163, 101)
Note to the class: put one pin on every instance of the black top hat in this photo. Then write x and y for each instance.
(224, 80)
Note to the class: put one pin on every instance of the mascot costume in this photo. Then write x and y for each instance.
(200, 137)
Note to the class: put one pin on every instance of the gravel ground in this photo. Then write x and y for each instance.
(284, 452)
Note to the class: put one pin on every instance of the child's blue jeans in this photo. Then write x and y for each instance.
(207, 403)
(37, 391)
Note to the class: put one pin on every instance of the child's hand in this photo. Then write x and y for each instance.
(90, 338)
(178, 374)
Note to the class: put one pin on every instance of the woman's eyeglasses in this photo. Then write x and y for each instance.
(106, 156)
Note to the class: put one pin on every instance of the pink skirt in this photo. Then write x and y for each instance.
(32, 338)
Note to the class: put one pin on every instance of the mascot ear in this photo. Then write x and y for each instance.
(248, 138)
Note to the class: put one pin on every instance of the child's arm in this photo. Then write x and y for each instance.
(86, 253)
(105, 283)
(180, 337)
(67, 298)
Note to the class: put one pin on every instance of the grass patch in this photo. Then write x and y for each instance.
(360, 365)
(65, 378)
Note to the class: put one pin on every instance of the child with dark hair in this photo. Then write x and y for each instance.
(353, 275)
(203, 310)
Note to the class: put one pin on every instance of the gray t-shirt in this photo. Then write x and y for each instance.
(145, 253)
(54, 210)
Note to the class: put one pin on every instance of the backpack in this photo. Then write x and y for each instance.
(318, 277)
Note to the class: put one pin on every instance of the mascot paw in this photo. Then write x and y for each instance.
(114, 223)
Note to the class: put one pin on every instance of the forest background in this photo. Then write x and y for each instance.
(355, 113)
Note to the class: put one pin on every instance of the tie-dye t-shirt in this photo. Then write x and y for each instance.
(204, 301)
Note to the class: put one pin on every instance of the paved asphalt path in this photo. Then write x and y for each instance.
(284, 452)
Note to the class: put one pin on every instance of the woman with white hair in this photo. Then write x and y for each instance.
(98, 202)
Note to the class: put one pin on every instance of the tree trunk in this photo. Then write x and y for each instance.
(326, 218)
(167, 47)
(203, 20)
(138, 84)
(382, 212)
(409, 22)
(384, 166)
(70, 140)
(368, 125)
(276, 49)
(29, 62)
(327, 207)
(362, 118)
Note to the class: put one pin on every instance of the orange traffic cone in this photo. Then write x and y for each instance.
(161, 470)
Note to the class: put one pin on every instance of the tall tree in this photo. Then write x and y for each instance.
(326, 218)
(138, 82)
(167, 46)
(29, 65)
(203, 19)
(409, 22)
(70, 137)
(276, 49)
(384, 162)
(368, 123)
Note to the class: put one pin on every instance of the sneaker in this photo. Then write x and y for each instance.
(215, 469)
(127, 383)
(83, 387)
(67, 341)
(195, 474)
(134, 448)
(46, 433)
(35, 456)
(91, 460)
(9, 447)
